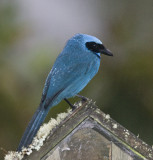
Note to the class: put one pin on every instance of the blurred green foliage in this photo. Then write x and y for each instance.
(8, 26)
(123, 87)
(8, 36)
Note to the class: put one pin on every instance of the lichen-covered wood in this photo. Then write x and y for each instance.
(89, 134)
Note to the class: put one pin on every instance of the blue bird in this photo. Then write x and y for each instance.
(75, 66)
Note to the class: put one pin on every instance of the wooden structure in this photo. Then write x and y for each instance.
(89, 134)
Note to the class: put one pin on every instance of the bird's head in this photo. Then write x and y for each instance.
(90, 44)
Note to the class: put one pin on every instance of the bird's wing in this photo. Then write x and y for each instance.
(46, 86)
(60, 78)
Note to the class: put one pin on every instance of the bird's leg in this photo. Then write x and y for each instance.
(82, 97)
(71, 105)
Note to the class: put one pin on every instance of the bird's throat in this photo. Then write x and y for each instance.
(97, 55)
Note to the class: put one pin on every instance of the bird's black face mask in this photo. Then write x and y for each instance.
(98, 48)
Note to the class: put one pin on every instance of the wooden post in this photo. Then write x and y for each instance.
(90, 134)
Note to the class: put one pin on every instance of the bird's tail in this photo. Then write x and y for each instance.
(33, 127)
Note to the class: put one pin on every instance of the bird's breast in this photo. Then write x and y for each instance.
(92, 68)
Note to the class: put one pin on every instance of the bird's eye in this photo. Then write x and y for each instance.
(95, 47)
(93, 44)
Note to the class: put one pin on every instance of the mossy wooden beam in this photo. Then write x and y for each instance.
(88, 133)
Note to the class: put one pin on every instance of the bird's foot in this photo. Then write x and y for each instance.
(82, 97)
(71, 105)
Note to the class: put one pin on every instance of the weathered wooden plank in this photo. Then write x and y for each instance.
(63, 130)
(135, 144)
(88, 133)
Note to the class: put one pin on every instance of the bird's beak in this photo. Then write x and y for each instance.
(106, 52)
